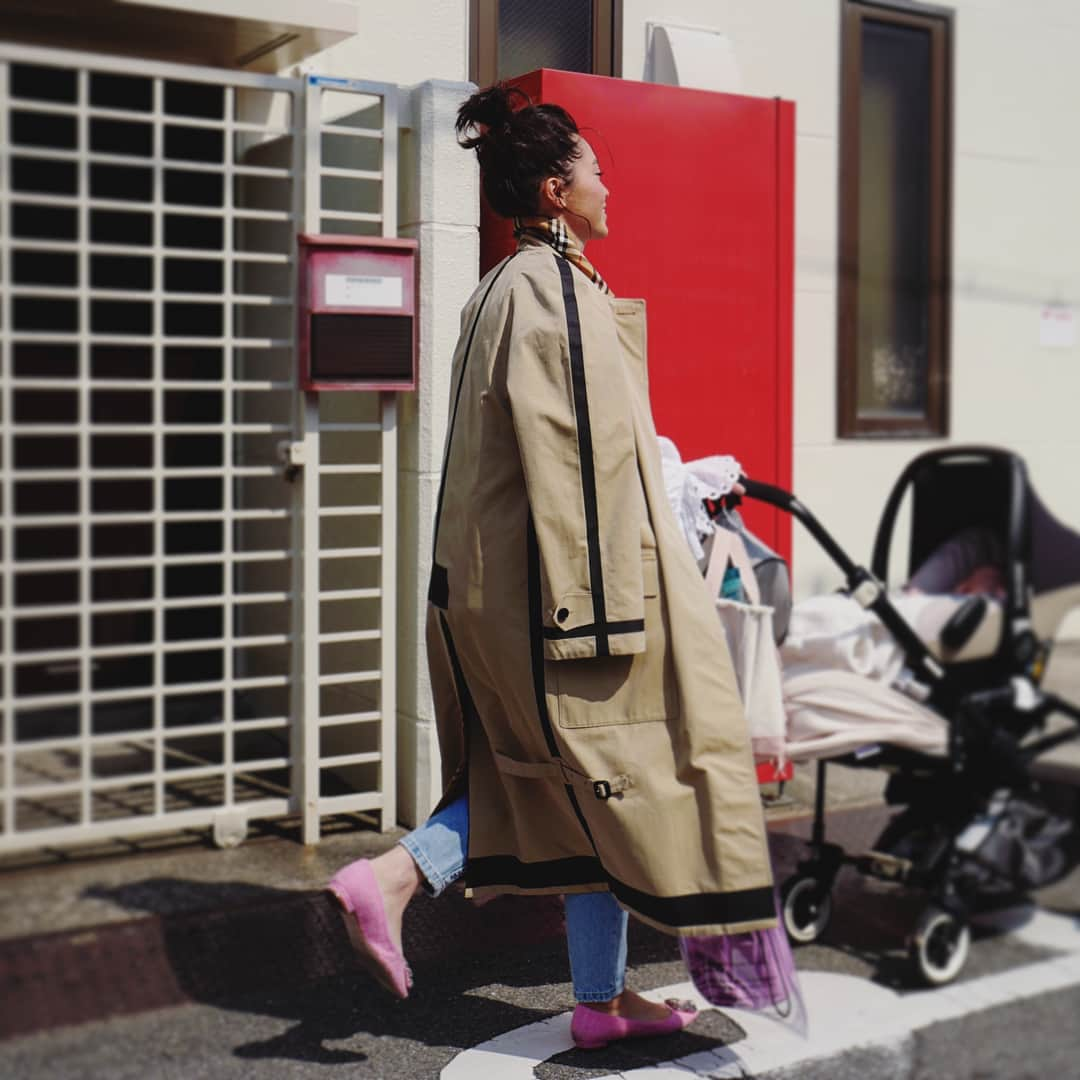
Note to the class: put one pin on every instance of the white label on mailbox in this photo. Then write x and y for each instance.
(363, 290)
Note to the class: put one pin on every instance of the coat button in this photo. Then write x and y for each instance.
(562, 615)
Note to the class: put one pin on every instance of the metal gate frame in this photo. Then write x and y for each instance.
(308, 763)
(310, 760)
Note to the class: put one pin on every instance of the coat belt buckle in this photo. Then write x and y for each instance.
(602, 789)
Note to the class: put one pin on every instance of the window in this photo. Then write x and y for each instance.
(511, 37)
(895, 184)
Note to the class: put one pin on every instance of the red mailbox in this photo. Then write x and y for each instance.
(357, 310)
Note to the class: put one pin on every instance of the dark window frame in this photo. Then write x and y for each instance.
(484, 39)
(941, 23)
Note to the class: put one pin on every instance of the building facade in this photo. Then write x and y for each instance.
(936, 143)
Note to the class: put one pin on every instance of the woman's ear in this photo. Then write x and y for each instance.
(552, 196)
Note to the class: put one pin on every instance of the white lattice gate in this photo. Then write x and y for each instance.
(165, 660)
(347, 758)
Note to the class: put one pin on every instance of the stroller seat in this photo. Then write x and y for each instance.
(981, 641)
(1048, 612)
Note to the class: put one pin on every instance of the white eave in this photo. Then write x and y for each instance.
(252, 35)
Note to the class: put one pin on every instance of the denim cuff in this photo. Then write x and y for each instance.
(598, 995)
(434, 882)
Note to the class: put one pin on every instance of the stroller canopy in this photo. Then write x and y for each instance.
(961, 489)
(1055, 549)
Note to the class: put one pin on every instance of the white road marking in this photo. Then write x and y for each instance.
(844, 1012)
(513, 1055)
(1033, 926)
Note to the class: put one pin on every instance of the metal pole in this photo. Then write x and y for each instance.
(819, 806)
(388, 620)
(306, 765)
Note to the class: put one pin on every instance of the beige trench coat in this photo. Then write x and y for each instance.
(583, 689)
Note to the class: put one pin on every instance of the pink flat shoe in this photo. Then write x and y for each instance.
(592, 1030)
(355, 889)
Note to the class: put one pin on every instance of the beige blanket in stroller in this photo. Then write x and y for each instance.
(844, 677)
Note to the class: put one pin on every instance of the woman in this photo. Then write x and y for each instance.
(592, 739)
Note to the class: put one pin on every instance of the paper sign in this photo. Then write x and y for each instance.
(363, 290)
(1057, 327)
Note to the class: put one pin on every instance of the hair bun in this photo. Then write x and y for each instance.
(489, 113)
(517, 145)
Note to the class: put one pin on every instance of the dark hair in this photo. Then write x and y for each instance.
(518, 147)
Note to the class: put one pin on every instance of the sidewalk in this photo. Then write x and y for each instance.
(125, 928)
(110, 933)
(124, 934)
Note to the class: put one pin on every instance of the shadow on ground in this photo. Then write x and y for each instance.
(278, 953)
(282, 953)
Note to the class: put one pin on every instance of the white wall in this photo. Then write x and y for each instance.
(404, 42)
(1017, 233)
(1016, 240)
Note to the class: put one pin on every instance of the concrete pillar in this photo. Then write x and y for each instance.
(440, 209)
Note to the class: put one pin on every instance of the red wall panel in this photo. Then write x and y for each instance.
(701, 226)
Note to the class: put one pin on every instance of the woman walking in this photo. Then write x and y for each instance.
(593, 742)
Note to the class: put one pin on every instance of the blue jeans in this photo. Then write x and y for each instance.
(595, 924)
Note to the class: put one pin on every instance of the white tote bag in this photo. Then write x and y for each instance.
(749, 631)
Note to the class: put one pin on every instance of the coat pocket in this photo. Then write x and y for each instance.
(603, 690)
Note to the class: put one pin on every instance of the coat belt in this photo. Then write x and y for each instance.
(559, 770)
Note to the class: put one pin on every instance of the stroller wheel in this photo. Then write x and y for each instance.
(939, 946)
(806, 908)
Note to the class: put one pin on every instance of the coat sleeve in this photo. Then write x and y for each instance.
(571, 409)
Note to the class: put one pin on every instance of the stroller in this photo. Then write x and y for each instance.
(972, 826)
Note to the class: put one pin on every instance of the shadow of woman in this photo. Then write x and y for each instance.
(259, 950)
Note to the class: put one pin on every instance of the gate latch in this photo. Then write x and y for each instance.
(293, 455)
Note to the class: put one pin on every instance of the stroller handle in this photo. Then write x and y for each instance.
(768, 493)
(784, 500)
(916, 652)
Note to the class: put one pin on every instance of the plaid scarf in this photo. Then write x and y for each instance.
(553, 231)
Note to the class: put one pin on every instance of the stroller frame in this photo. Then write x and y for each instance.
(989, 730)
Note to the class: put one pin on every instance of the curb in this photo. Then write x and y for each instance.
(79, 976)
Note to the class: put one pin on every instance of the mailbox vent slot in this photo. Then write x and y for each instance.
(375, 348)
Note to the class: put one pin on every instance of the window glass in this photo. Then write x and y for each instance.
(895, 198)
(894, 220)
(555, 34)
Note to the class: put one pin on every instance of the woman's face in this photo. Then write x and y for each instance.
(585, 197)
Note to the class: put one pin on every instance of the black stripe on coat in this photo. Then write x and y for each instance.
(631, 626)
(585, 456)
(699, 909)
(551, 873)
(536, 643)
(693, 909)
(439, 586)
(465, 699)
(469, 717)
